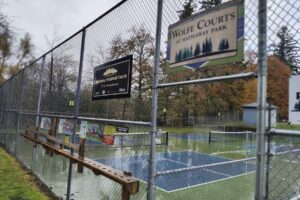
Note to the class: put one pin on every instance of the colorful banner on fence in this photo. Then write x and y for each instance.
(83, 129)
(65, 126)
(108, 137)
(94, 132)
(45, 123)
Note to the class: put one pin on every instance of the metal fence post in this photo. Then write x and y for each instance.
(76, 110)
(38, 109)
(261, 100)
(269, 154)
(19, 110)
(8, 112)
(152, 162)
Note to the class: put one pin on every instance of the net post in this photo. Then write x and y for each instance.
(261, 100)
(167, 138)
(152, 167)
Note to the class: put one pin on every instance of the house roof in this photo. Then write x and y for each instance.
(254, 106)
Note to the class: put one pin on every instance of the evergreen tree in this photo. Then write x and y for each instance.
(191, 51)
(209, 45)
(222, 45)
(188, 9)
(297, 105)
(180, 55)
(287, 49)
(205, 46)
(226, 44)
(197, 50)
(206, 4)
(184, 53)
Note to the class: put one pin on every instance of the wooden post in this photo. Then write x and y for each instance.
(26, 131)
(125, 192)
(81, 154)
(209, 137)
(35, 136)
(52, 132)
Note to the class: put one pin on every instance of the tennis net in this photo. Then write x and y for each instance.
(122, 140)
(214, 136)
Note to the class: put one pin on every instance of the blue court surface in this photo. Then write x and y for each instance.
(138, 165)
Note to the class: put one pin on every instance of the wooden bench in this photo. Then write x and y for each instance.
(52, 144)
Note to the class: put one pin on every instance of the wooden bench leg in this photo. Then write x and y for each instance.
(125, 193)
(81, 154)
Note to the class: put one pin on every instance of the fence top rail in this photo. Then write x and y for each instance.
(116, 121)
(57, 115)
(209, 80)
(84, 118)
(284, 132)
(139, 133)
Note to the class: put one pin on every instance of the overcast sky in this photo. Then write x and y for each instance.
(41, 18)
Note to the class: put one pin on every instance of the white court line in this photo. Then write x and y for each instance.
(204, 154)
(175, 161)
(211, 155)
(196, 165)
(201, 184)
(215, 172)
(183, 188)
(202, 166)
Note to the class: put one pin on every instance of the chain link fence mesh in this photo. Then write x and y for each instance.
(222, 169)
(52, 170)
(283, 167)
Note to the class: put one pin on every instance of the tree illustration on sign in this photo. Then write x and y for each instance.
(224, 45)
(197, 50)
(297, 105)
(207, 46)
(186, 53)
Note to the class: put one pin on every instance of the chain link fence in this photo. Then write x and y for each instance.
(283, 167)
(59, 84)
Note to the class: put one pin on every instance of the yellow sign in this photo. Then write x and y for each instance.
(109, 130)
(67, 139)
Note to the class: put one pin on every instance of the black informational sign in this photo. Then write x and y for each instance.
(122, 129)
(113, 79)
(298, 95)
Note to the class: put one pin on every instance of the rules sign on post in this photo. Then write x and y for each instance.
(113, 79)
(212, 37)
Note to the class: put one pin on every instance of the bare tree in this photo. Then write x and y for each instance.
(141, 45)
